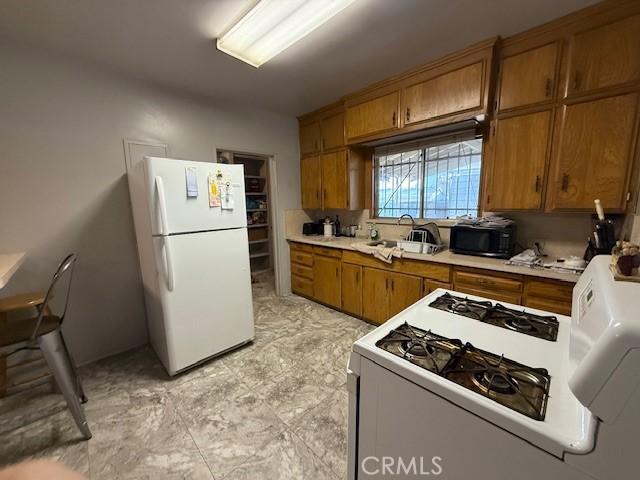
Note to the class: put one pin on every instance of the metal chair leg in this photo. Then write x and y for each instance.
(79, 389)
(54, 352)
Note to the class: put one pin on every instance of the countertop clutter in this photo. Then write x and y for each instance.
(445, 256)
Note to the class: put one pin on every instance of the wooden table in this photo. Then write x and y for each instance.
(9, 263)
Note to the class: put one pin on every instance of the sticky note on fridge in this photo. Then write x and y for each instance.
(192, 182)
(227, 197)
(214, 191)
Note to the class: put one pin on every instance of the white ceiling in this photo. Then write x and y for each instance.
(170, 42)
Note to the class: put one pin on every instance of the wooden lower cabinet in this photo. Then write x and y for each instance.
(364, 287)
(405, 290)
(375, 302)
(352, 289)
(385, 294)
(327, 280)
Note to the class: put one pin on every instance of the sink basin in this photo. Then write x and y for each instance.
(383, 242)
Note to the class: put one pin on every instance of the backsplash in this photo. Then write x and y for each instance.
(561, 235)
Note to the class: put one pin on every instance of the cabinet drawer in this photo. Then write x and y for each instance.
(328, 252)
(302, 271)
(549, 304)
(559, 291)
(435, 271)
(431, 285)
(303, 258)
(301, 286)
(301, 247)
(486, 280)
(492, 294)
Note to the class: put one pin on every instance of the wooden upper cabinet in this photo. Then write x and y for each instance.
(332, 132)
(517, 167)
(334, 179)
(309, 138)
(605, 56)
(528, 78)
(452, 92)
(593, 154)
(373, 116)
(327, 280)
(310, 182)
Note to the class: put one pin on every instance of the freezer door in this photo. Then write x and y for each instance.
(205, 292)
(178, 195)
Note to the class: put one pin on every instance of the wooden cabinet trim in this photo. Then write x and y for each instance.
(302, 271)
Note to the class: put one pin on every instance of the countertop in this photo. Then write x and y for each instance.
(9, 263)
(444, 256)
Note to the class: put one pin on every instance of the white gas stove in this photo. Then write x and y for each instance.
(500, 391)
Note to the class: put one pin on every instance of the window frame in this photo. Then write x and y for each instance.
(423, 146)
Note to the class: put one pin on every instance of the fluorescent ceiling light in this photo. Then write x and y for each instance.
(274, 25)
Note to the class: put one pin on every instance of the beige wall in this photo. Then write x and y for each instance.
(62, 183)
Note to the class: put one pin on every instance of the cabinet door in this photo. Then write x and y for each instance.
(528, 78)
(352, 289)
(373, 116)
(405, 290)
(518, 164)
(375, 301)
(310, 186)
(309, 138)
(593, 153)
(332, 132)
(334, 179)
(605, 56)
(446, 94)
(326, 280)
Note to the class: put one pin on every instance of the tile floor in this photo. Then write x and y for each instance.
(274, 409)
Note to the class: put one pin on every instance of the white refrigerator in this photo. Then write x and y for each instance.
(191, 230)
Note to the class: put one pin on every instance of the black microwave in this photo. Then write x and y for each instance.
(485, 241)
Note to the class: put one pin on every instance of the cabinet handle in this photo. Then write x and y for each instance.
(537, 183)
(565, 183)
(548, 88)
(408, 115)
(393, 119)
(575, 85)
(392, 284)
(337, 273)
(357, 277)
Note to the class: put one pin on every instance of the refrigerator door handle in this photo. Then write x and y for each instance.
(169, 256)
(162, 205)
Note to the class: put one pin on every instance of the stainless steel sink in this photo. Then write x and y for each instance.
(383, 242)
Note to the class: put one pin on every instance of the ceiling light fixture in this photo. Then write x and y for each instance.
(271, 26)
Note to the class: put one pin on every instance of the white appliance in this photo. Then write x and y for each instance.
(194, 258)
(400, 411)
